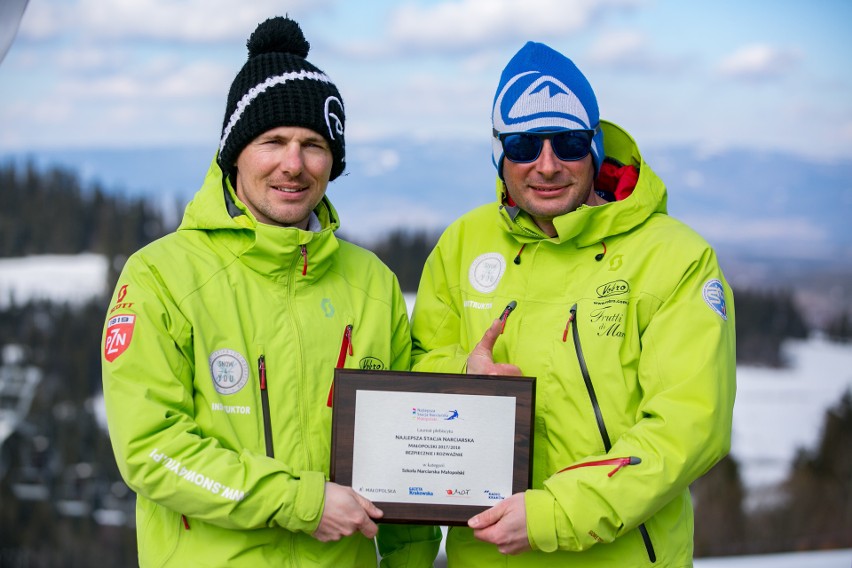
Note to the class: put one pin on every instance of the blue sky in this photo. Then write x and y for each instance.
(765, 74)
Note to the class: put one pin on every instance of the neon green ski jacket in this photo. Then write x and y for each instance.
(627, 324)
(218, 356)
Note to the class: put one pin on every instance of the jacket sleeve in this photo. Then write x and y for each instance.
(686, 370)
(438, 341)
(161, 451)
(405, 546)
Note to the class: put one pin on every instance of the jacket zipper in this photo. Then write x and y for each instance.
(584, 369)
(264, 401)
(345, 348)
(588, 379)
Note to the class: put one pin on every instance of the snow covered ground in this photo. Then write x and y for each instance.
(777, 411)
(65, 278)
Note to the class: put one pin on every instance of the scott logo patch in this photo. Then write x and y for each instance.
(486, 271)
(714, 295)
(119, 332)
(229, 370)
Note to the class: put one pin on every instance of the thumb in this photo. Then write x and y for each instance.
(368, 506)
(486, 345)
(486, 518)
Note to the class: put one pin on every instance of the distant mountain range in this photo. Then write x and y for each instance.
(771, 216)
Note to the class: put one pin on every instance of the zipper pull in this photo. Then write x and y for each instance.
(508, 310)
(304, 253)
(617, 462)
(345, 347)
(185, 522)
(632, 460)
(571, 316)
(261, 370)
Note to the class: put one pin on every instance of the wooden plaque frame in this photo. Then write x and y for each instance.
(347, 382)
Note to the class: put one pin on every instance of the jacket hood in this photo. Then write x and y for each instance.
(216, 210)
(589, 225)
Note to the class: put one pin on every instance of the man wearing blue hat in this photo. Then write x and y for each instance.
(622, 315)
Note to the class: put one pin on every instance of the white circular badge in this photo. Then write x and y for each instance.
(229, 370)
(486, 271)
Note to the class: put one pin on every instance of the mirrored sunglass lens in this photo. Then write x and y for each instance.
(571, 145)
(521, 147)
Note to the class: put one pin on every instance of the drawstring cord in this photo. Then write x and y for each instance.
(518, 256)
(599, 256)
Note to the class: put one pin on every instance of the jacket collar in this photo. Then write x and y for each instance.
(587, 225)
(275, 252)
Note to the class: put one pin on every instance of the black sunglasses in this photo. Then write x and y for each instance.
(525, 147)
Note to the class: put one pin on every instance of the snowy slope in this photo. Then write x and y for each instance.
(63, 278)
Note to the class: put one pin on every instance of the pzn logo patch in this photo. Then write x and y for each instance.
(229, 370)
(119, 332)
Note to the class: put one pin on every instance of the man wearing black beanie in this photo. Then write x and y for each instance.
(222, 338)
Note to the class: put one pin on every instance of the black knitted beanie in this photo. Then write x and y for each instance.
(276, 87)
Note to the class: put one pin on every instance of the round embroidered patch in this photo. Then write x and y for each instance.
(229, 370)
(714, 295)
(486, 271)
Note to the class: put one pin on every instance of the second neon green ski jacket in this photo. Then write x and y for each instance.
(627, 323)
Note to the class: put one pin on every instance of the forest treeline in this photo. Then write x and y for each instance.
(63, 450)
(50, 211)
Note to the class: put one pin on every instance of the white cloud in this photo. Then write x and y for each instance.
(158, 80)
(779, 230)
(166, 20)
(615, 46)
(423, 105)
(631, 50)
(90, 58)
(693, 179)
(758, 62)
(377, 162)
(466, 24)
